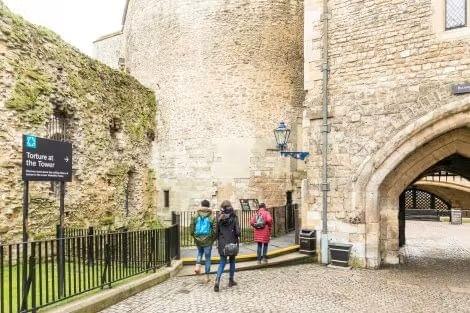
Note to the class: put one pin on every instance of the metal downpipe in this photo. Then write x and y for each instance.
(325, 129)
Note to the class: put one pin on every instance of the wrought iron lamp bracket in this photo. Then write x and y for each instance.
(298, 155)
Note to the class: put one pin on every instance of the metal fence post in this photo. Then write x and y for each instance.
(106, 274)
(29, 283)
(2, 291)
(176, 221)
(153, 251)
(297, 223)
(90, 244)
(274, 222)
(32, 274)
(125, 247)
(60, 260)
(167, 246)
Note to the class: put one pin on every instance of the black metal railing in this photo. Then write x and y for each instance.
(90, 231)
(284, 221)
(39, 273)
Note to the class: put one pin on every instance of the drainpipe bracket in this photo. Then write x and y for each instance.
(326, 128)
(325, 16)
(325, 187)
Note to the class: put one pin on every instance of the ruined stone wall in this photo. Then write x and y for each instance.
(390, 66)
(225, 74)
(40, 75)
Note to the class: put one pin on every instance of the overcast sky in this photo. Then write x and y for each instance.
(79, 22)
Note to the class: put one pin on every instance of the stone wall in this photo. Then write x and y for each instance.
(40, 76)
(390, 69)
(109, 49)
(225, 73)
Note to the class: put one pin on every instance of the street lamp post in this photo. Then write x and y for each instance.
(282, 133)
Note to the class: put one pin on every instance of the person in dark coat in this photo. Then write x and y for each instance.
(228, 232)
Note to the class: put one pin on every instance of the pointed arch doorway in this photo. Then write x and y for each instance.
(388, 172)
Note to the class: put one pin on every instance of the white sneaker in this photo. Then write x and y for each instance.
(197, 269)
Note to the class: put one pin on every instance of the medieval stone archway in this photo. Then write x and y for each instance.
(453, 142)
(385, 175)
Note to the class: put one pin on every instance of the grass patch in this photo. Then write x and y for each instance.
(80, 278)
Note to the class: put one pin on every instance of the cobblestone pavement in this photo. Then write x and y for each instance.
(435, 278)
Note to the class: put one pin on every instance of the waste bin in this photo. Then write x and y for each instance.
(308, 241)
(456, 216)
(339, 254)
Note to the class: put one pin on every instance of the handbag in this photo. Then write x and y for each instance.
(231, 249)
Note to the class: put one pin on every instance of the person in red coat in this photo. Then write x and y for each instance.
(262, 223)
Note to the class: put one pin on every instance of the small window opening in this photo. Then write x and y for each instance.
(166, 198)
(58, 126)
(122, 64)
(115, 126)
(151, 135)
(289, 197)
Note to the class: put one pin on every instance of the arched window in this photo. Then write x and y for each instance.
(456, 14)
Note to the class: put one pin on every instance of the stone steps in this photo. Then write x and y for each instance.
(247, 256)
(286, 259)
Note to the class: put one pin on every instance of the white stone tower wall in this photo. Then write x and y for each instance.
(109, 49)
(224, 73)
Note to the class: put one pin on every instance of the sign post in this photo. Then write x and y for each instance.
(46, 160)
(25, 236)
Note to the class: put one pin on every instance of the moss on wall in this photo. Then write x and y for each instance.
(30, 94)
(42, 75)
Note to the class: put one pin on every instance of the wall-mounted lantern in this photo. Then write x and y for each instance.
(282, 133)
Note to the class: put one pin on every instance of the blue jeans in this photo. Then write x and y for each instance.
(262, 251)
(206, 251)
(223, 261)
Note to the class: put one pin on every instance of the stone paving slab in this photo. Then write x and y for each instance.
(436, 278)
